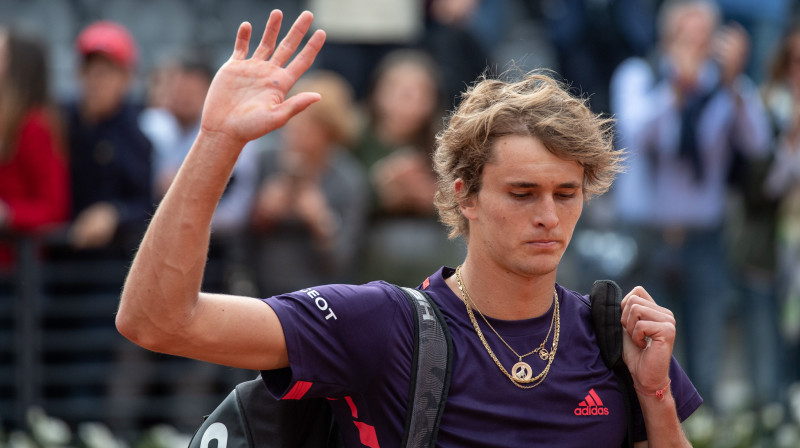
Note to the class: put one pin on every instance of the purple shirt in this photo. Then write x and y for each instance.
(353, 345)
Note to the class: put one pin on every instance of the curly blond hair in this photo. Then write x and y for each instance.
(536, 105)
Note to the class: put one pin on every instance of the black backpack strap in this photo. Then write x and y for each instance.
(606, 300)
(430, 372)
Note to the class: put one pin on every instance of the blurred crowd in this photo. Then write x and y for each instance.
(706, 96)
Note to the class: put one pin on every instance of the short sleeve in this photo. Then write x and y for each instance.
(337, 337)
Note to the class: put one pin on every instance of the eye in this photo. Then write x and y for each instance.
(570, 194)
(519, 195)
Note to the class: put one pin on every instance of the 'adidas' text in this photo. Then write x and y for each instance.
(591, 405)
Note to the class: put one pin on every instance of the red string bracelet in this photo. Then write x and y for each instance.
(659, 393)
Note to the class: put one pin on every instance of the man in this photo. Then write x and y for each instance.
(110, 158)
(173, 127)
(502, 187)
(683, 115)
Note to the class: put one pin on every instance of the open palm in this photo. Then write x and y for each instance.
(247, 98)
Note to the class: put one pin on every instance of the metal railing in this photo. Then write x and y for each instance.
(59, 349)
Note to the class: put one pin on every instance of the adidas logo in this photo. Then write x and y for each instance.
(591, 405)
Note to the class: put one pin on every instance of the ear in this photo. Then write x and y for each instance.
(467, 205)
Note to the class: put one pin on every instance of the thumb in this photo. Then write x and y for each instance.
(294, 105)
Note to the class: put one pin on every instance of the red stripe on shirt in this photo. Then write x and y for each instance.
(367, 434)
(352, 405)
(298, 390)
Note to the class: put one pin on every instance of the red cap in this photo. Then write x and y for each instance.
(110, 39)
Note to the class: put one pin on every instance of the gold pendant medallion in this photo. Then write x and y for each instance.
(522, 371)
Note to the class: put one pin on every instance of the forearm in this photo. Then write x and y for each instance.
(661, 421)
(647, 350)
(163, 285)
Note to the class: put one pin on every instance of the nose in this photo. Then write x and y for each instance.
(544, 215)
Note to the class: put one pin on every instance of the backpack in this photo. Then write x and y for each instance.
(249, 417)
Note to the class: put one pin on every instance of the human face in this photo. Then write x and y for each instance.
(187, 95)
(522, 218)
(405, 98)
(308, 137)
(105, 84)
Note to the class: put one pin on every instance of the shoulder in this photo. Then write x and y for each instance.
(158, 124)
(343, 303)
(377, 291)
(37, 131)
(635, 67)
(34, 121)
(572, 299)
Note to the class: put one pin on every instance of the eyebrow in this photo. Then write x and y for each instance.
(523, 184)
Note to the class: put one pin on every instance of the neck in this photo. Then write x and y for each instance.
(506, 295)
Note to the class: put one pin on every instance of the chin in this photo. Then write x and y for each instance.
(538, 267)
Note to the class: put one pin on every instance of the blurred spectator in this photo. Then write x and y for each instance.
(404, 111)
(684, 114)
(110, 158)
(396, 142)
(361, 32)
(764, 24)
(782, 97)
(459, 35)
(484, 19)
(311, 206)
(593, 37)
(177, 92)
(34, 184)
(171, 121)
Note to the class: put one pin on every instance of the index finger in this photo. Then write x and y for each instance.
(640, 292)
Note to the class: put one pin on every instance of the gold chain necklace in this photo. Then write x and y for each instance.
(522, 377)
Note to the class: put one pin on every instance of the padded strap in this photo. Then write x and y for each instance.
(606, 302)
(430, 380)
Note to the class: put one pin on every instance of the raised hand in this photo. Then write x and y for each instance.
(648, 339)
(732, 49)
(247, 98)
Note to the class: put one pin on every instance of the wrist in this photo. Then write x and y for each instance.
(658, 393)
(220, 139)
